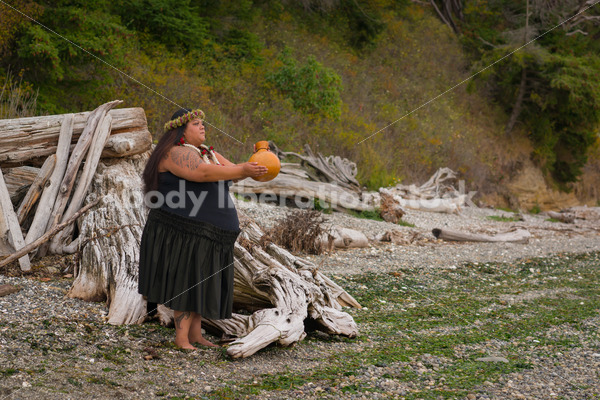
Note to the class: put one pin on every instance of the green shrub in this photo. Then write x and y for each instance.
(375, 215)
(312, 87)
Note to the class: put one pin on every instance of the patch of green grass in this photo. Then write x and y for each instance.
(241, 197)
(502, 218)
(535, 209)
(439, 313)
(8, 371)
(375, 215)
(285, 380)
(116, 354)
(322, 205)
(552, 220)
(404, 223)
(74, 382)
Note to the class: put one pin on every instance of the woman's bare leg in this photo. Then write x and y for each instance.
(195, 335)
(183, 321)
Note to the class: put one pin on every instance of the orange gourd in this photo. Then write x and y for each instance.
(263, 156)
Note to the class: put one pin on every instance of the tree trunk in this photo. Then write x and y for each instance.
(109, 241)
(516, 111)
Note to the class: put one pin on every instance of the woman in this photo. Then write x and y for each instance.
(186, 252)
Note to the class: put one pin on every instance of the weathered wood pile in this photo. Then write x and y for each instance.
(438, 194)
(279, 289)
(59, 144)
(332, 181)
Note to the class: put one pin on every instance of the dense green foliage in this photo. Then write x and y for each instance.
(561, 89)
(312, 88)
(328, 73)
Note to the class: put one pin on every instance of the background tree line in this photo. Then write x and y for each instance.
(329, 73)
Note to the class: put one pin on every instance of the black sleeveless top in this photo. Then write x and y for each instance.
(201, 201)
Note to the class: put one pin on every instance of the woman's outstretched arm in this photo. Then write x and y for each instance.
(186, 163)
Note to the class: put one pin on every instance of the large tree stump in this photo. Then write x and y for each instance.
(280, 289)
(109, 241)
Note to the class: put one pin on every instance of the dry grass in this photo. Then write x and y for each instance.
(299, 231)
(17, 98)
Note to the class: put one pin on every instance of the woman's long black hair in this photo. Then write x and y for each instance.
(168, 140)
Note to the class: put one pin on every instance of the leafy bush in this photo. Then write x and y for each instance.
(50, 58)
(13, 21)
(312, 87)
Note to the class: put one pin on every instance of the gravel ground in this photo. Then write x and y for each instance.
(53, 347)
(548, 238)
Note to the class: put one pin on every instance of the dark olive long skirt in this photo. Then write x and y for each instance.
(187, 265)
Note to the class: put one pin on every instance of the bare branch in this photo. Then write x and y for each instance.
(576, 32)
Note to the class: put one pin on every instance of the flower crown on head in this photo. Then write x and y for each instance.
(184, 119)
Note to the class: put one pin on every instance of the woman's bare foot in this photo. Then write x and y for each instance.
(185, 345)
(203, 342)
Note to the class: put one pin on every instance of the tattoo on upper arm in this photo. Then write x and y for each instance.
(185, 158)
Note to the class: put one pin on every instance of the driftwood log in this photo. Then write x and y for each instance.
(9, 224)
(17, 179)
(93, 129)
(438, 194)
(295, 186)
(48, 198)
(46, 236)
(566, 217)
(295, 289)
(280, 289)
(330, 169)
(58, 187)
(36, 188)
(29, 141)
(330, 180)
(343, 238)
(518, 235)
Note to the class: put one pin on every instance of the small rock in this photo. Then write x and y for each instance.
(7, 289)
